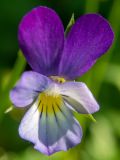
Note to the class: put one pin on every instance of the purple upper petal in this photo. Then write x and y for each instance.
(41, 38)
(90, 37)
(28, 88)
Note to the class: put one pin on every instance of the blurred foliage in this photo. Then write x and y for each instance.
(101, 140)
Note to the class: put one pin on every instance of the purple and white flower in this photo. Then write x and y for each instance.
(49, 90)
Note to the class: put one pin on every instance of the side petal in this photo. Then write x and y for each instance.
(27, 88)
(78, 97)
(41, 38)
(90, 37)
(50, 132)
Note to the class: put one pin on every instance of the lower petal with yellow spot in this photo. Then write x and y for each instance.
(55, 130)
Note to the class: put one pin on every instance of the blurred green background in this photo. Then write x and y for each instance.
(101, 140)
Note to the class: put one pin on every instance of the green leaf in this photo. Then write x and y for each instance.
(70, 24)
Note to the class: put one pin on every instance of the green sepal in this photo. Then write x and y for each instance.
(70, 24)
(90, 116)
(9, 109)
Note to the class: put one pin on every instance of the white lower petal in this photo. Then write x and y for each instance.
(51, 128)
(28, 128)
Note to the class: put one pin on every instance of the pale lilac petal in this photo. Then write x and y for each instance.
(90, 37)
(28, 88)
(41, 38)
(78, 97)
(50, 133)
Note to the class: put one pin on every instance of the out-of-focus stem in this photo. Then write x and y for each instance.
(4, 97)
(92, 6)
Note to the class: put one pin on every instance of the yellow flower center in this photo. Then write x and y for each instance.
(49, 103)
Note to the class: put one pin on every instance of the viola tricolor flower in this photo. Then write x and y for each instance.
(50, 90)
